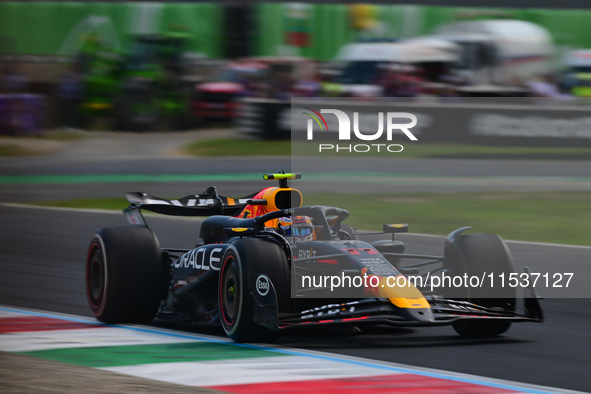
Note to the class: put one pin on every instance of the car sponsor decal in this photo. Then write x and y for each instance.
(262, 285)
(203, 258)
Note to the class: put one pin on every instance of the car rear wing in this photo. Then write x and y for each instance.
(207, 203)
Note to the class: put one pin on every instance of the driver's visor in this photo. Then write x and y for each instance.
(301, 231)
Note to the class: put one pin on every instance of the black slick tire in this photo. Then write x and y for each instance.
(124, 275)
(242, 263)
(486, 253)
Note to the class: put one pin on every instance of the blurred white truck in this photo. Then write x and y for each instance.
(489, 56)
(498, 54)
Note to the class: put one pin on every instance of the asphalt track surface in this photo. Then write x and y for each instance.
(42, 251)
(108, 164)
(42, 254)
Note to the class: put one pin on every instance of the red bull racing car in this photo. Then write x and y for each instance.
(264, 264)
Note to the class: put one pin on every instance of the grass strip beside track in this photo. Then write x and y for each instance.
(13, 150)
(118, 178)
(27, 146)
(237, 147)
(556, 217)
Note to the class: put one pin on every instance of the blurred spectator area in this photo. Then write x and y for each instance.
(21, 114)
(25, 83)
(35, 53)
(28, 76)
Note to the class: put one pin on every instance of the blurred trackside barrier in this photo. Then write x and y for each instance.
(500, 121)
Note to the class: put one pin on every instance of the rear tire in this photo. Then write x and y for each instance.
(486, 253)
(125, 279)
(242, 263)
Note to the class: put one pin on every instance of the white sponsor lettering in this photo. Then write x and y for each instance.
(196, 259)
(215, 257)
(330, 309)
(262, 285)
(306, 253)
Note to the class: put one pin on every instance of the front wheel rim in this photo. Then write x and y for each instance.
(95, 277)
(230, 293)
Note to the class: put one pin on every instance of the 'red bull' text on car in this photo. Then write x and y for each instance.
(264, 263)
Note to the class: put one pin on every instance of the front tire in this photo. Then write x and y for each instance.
(486, 253)
(124, 275)
(242, 263)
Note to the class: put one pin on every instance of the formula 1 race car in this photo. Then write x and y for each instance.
(264, 263)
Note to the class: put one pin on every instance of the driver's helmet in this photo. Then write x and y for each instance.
(298, 227)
